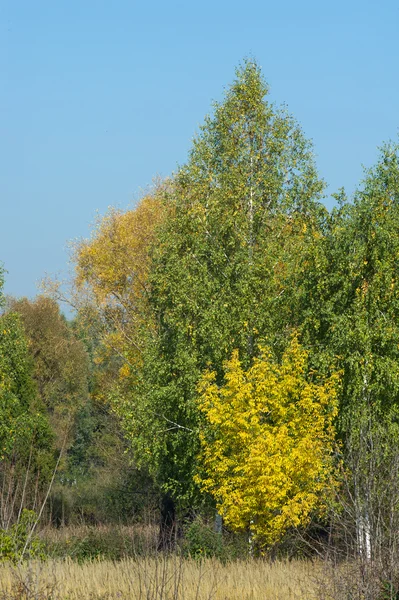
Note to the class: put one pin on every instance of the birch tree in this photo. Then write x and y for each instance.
(221, 275)
(352, 317)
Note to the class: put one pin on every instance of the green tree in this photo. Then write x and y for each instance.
(26, 457)
(350, 314)
(60, 363)
(350, 290)
(366, 335)
(244, 206)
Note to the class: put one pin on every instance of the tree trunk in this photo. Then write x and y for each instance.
(218, 524)
(167, 526)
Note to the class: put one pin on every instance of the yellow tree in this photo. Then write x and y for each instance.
(111, 283)
(267, 442)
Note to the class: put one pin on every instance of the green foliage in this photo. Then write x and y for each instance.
(350, 309)
(100, 543)
(350, 316)
(26, 441)
(91, 481)
(369, 496)
(234, 253)
(243, 207)
(60, 365)
(18, 543)
(21, 422)
(201, 541)
(94, 546)
(119, 495)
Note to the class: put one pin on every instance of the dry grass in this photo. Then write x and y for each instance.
(163, 578)
(146, 532)
(102, 541)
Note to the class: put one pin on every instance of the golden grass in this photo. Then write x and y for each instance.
(162, 578)
(147, 531)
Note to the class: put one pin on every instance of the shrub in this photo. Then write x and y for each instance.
(201, 541)
(18, 542)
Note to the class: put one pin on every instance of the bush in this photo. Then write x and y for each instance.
(18, 542)
(100, 542)
(201, 541)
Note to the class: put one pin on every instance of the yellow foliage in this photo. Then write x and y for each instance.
(115, 260)
(112, 280)
(267, 442)
(124, 371)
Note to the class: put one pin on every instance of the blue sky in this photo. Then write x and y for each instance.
(97, 98)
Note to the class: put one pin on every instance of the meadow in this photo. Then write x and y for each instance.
(157, 578)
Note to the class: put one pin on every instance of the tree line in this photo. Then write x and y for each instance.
(235, 347)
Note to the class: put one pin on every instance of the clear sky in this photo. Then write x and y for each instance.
(98, 97)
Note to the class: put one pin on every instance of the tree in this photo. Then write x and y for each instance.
(60, 365)
(221, 274)
(351, 316)
(26, 459)
(111, 283)
(267, 442)
(18, 392)
(93, 467)
(351, 290)
(110, 296)
(366, 336)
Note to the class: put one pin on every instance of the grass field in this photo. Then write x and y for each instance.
(162, 578)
